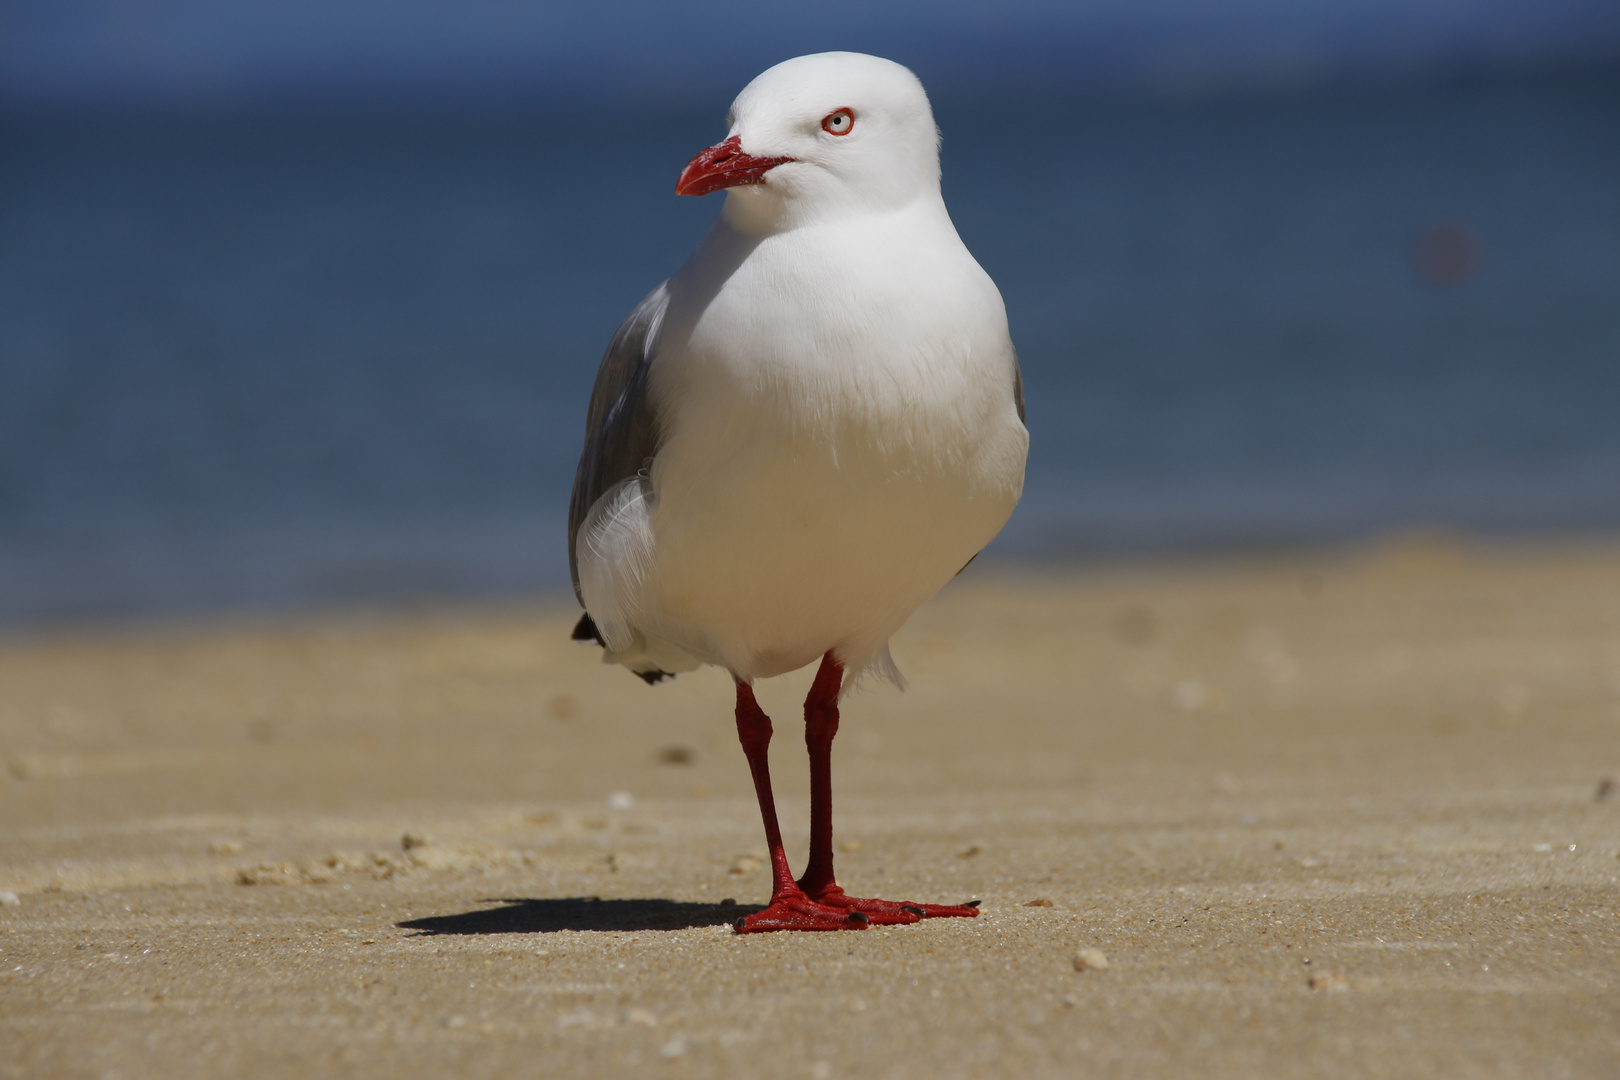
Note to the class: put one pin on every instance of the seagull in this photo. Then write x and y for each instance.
(804, 433)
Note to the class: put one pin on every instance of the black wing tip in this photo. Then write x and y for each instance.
(585, 630)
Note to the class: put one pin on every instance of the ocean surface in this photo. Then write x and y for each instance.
(319, 359)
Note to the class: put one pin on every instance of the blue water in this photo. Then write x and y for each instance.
(291, 360)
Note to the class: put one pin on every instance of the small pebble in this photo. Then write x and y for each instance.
(1331, 981)
(268, 874)
(969, 851)
(1090, 960)
(1190, 695)
(225, 847)
(410, 841)
(1607, 788)
(849, 847)
(677, 755)
(744, 864)
(674, 1048)
(621, 800)
(9, 899)
(1039, 901)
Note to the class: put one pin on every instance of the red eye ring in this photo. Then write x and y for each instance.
(838, 122)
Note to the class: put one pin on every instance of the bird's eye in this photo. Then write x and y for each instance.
(838, 123)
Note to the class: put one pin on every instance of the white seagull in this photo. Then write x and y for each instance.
(803, 434)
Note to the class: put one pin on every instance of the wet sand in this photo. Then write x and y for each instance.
(1323, 816)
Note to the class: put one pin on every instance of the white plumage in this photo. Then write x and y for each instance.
(825, 395)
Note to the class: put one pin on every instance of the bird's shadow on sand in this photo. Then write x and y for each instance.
(529, 916)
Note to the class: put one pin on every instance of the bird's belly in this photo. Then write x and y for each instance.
(770, 552)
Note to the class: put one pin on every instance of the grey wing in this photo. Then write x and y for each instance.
(621, 428)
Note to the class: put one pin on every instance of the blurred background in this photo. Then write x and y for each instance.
(300, 301)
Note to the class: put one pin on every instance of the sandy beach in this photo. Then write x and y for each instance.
(1352, 814)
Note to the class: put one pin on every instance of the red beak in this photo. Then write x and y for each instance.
(724, 166)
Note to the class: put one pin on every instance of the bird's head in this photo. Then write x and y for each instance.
(822, 135)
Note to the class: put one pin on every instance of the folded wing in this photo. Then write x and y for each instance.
(621, 427)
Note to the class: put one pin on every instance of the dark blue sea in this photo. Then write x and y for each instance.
(288, 360)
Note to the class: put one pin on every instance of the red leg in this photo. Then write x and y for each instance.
(820, 727)
(818, 882)
(789, 909)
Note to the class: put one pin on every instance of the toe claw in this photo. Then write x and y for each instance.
(858, 918)
(914, 909)
(973, 903)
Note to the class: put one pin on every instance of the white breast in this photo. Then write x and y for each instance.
(840, 438)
